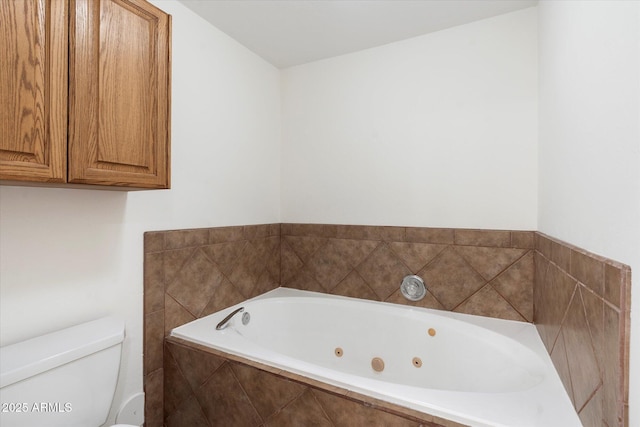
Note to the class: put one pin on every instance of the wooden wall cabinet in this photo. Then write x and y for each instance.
(85, 92)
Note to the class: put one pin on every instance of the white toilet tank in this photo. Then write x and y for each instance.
(66, 378)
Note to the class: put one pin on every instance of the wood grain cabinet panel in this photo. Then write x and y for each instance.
(118, 97)
(116, 104)
(33, 90)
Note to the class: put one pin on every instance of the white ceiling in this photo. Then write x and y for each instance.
(293, 32)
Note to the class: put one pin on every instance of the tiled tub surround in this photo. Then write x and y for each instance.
(211, 388)
(582, 306)
(488, 273)
(191, 273)
(477, 370)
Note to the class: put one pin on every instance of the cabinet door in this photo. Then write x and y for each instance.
(119, 67)
(33, 90)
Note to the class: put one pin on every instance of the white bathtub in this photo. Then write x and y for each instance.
(474, 370)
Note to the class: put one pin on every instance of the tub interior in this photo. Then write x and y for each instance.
(352, 336)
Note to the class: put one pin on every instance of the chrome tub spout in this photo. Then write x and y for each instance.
(225, 322)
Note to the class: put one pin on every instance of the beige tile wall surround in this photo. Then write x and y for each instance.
(579, 301)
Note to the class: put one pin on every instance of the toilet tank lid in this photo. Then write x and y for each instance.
(34, 356)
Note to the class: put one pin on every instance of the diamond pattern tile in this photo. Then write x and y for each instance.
(594, 312)
(224, 402)
(236, 394)
(195, 282)
(487, 302)
(588, 350)
(189, 414)
(514, 285)
(224, 295)
(304, 246)
(583, 365)
(591, 414)
(290, 263)
(324, 259)
(554, 296)
(332, 262)
(354, 286)
(268, 392)
(308, 252)
(195, 366)
(174, 314)
(344, 412)
(264, 284)
(451, 279)
(328, 267)
(303, 411)
(225, 255)
(416, 255)
(248, 268)
(355, 251)
(489, 262)
(588, 270)
(273, 262)
(559, 358)
(174, 260)
(475, 271)
(305, 282)
(176, 389)
(383, 271)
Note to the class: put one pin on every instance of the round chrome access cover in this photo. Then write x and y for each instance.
(412, 287)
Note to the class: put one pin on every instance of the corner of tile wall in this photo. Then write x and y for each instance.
(192, 273)
(582, 311)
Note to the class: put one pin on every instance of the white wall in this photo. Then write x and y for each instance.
(68, 256)
(439, 130)
(590, 137)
